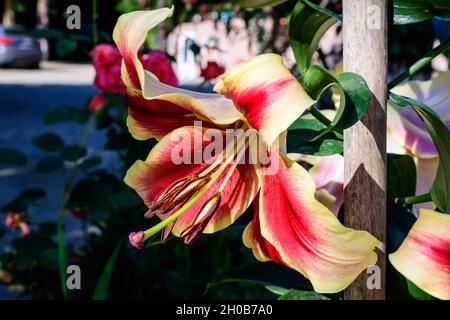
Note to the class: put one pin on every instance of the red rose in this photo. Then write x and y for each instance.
(211, 71)
(97, 102)
(78, 213)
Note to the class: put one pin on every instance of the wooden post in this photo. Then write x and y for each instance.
(365, 52)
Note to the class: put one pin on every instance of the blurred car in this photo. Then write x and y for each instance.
(17, 48)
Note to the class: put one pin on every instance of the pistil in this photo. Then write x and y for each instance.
(189, 198)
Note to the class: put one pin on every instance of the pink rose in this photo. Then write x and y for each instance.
(158, 63)
(10, 222)
(20, 221)
(107, 62)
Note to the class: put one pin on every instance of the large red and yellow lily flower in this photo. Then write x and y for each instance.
(261, 96)
(424, 256)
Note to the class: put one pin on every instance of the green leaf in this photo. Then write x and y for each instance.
(401, 176)
(23, 201)
(114, 100)
(66, 113)
(277, 290)
(323, 10)
(303, 130)
(73, 153)
(413, 11)
(259, 3)
(102, 287)
(418, 293)
(12, 156)
(48, 33)
(49, 259)
(49, 164)
(48, 142)
(307, 25)
(294, 294)
(440, 190)
(33, 194)
(265, 274)
(355, 95)
(357, 100)
(90, 163)
(65, 46)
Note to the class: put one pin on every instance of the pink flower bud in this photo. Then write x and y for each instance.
(10, 221)
(137, 239)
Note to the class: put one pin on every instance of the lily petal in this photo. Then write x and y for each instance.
(406, 128)
(306, 235)
(262, 249)
(268, 95)
(426, 172)
(150, 178)
(424, 256)
(328, 174)
(179, 105)
(129, 34)
(148, 95)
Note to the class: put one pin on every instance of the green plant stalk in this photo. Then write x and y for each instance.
(62, 259)
(414, 199)
(62, 256)
(418, 65)
(319, 116)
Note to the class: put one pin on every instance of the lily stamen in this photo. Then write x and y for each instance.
(212, 178)
(202, 219)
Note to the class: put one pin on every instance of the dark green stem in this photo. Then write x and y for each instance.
(421, 63)
(94, 23)
(414, 199)
(62, 256)
(319, 116)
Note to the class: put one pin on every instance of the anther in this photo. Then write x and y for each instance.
(202, 219)
(180, 195)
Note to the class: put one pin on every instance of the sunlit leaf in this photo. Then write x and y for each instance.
(412, 11)
(307, 25)
(354, 100)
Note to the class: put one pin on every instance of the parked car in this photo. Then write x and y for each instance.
(17, 48)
